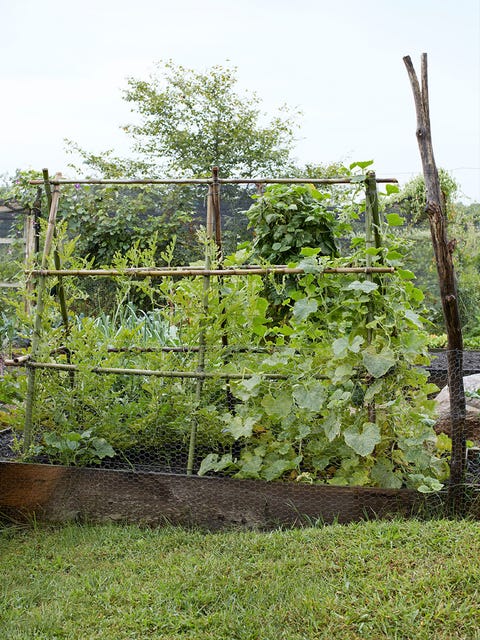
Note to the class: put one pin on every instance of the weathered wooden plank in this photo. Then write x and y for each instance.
(63, 494)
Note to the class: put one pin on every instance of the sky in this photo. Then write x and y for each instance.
(64, 65)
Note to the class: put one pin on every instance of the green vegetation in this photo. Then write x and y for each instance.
(375, 580)
(463, 231)
(351, 403)
(190, 121)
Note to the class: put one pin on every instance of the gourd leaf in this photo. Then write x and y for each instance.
(377, 364)
(303, 308)
(363, 442)
(311, 398)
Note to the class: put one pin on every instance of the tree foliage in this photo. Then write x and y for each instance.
(191, 121)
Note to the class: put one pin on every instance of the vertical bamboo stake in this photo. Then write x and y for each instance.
(60, 288)
(218, 242)
(448, 288)
(56, 258)
(37, 329)
(216, 215)
(201, 339)
(31, 247)
(372, 205)
(372, 240)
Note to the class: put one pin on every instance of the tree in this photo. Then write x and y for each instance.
(189, 122)
(412, 198)
(193, 121)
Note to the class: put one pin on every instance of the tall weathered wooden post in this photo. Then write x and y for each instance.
(443, 250)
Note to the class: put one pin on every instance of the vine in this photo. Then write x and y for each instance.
(332, 390)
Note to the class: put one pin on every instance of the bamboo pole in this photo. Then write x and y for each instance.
(57, 263)
(447, 281)
(56, 258)
(201, 340)
(208, 181)
(218, 240)
(27, 435)
(372, 204)
(372, 240)
(31, 247)
(198, 374)
(193, 272)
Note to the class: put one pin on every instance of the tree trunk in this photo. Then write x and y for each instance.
(448, 291)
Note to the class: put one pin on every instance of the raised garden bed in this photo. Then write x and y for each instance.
(64, 494)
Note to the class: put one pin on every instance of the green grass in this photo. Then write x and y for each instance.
(405, 580)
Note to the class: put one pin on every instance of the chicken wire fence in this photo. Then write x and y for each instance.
(180, 408)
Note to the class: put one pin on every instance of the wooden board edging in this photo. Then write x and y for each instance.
(65, 494)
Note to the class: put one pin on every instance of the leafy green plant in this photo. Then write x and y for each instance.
(73, 448)
(333, 390)
(287, 218)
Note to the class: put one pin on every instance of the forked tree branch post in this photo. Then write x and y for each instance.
(443, 250)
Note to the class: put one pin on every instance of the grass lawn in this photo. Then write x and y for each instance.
(373, 580)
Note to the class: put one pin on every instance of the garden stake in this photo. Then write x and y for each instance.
(372, 240)
(218, 240)
(443, 249)
(201, 339)
(60, 288)
(192, 272)
(37, 329)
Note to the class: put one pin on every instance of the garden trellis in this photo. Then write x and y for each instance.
(223, 371)
(213, 232)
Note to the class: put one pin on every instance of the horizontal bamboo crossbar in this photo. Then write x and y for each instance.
(207, 181)
(152, 372)
(165, 273)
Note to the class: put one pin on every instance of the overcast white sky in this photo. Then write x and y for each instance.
(64, 64)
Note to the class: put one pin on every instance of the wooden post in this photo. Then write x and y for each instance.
(56, 258)
(217, 214)
(30, 394)
(448, 291)
(201, 339)
(31, 247)
(372, 240)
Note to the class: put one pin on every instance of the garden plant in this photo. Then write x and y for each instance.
(313, 377)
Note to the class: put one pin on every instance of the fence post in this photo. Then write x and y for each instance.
(37, 328)
(201, 339)
(443, 249)
(372, 240)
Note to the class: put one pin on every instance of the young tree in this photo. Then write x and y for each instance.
(190, 121)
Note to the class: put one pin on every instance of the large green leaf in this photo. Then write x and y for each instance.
(303, 308)
(340, 347)
(394, 220)
(212, 462)
(102, 448)
(377, 364)
(384, 475)
(277, 406)
(331, 426)
(278, 468)
(310, 397)
(362, 285)
(240, 427)
(363, 442)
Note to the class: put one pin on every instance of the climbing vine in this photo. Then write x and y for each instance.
(331, 390)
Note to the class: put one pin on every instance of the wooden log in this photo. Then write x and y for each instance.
(180, 181)
(446, 276)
